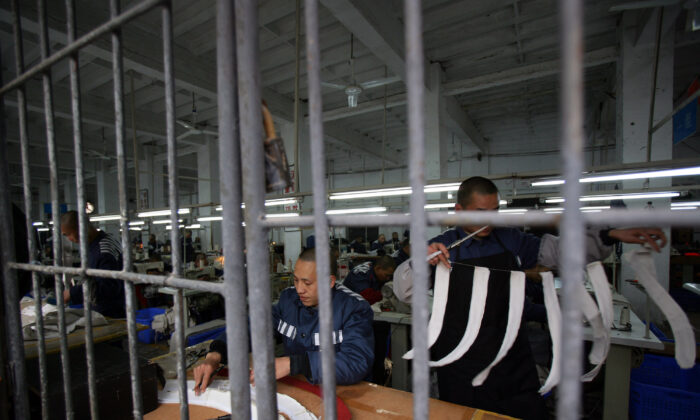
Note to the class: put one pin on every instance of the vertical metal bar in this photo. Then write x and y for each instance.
(253, 177)
(168, 70)
(654, 77)
(15, 341)
(318, 171)
(120, 139)
(74, 68)
(26, 176)
(572, 226)
(415, 63)
(56, 233)
(230, 188)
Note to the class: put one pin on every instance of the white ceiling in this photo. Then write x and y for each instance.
(497, 60)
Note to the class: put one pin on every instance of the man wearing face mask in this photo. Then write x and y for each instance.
(512, 385)
(296, 321)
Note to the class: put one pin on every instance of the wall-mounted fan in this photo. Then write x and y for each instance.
(354, 89)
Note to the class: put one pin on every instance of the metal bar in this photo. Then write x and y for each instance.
(26, 178)
(169, 76)
(572, 241)
(165, 281)
(83, 222)
(253, 177)
(654, 77)
(680, 106)
(232, 231)
(15, 342)
(415, 77)
(104, 29)
(57, 243)
(120, 139)
(318, 178)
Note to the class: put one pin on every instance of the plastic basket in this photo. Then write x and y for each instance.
(657, 402)
(204, 336)
(664, 371)
(145, 317)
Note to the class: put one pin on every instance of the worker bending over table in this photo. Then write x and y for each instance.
(512, 385)
(104, 253)
(368, 278)
(296, 321)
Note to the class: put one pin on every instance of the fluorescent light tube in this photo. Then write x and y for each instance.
(163, 221)
(280, 202)
(685, 203)
(43, 230)
(554, 209)
(156, 213)
(170, 227)
(271, 216)
(355, 211)
(439, 205)
(608, 197)
(134, 228)
(219, 208)
(38, 224)
(665, 173)
(105, 218)
(595, 208)
(137, 223)
(684, 208)
(210, 219)
(193, 226)
(512, 210)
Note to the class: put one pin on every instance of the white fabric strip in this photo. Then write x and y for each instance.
(440, 291)
(515, 314)
(601, 288)
(643, 265)
(476, 314)
(601, 335)
(551, 303)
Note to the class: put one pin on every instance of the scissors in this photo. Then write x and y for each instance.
(456, 243)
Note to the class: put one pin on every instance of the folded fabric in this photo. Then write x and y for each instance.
(643, 265)
(73, 317)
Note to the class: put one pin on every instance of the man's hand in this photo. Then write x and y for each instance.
(204, 371)
(66, 296)
(443, 258)
(652, 236)
(283, 368)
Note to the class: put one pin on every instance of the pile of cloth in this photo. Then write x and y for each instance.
(75, 317)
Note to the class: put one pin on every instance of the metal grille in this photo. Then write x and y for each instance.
(242, 179)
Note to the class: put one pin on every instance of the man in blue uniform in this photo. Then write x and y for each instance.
(367, 278)
(402, 253)
(512, 386)
(104, 253)
(357, 246)
(296, 321)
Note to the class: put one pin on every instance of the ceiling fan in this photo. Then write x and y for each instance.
(193, 128)
(354, 89)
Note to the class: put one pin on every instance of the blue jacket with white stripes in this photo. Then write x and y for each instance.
(298, 327)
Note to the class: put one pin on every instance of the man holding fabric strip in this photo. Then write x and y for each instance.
(512, 385)
(296, 321)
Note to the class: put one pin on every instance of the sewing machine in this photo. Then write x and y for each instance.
(143, 268)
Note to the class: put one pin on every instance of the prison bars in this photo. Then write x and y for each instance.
(245, 48)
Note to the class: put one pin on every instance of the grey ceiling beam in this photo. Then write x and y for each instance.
(364, 107)
(524, 73)
(283, 108)
(459, 121)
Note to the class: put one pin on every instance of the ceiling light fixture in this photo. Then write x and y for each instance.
(609, 197)
(137, 223)
(684, 208)
(210, 219)
(685, 203)
(163, 221)
(666, 173)
(43, 230)
(105, 218)
(38, 224)
(356, 211)
(156, 213)
(272, 216)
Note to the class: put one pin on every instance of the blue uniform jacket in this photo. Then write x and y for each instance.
(104, 253)
(362, 277)
(298, 326)
(523, 246)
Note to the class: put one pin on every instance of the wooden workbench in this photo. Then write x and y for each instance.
(366, 401)
(115, 329)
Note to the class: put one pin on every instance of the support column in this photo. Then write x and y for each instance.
(436, 133)
(635, 69)
(70, 197)
(208, 192)
(107, 190)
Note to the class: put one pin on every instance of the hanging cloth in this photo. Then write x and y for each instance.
(554, 320)
(643, 265)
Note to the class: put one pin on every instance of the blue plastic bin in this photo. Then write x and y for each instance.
(204, 336)
(145, 317)
(660, 389)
